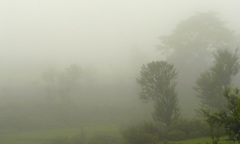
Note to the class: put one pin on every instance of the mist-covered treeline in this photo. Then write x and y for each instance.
(71, 64)
(69, 97)
(75, 94)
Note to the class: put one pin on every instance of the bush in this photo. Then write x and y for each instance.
(192, 128)
(177, 135)
(195, 134)
(105, 139)
(145, 133)
(148, 133)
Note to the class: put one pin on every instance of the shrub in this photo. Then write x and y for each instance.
(195, 134)
(177, 135)
(145, 133)
(105, 139)
(192, 128)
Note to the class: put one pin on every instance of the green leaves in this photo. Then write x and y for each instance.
(228, 117)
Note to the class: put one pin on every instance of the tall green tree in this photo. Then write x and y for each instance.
(210, 85)
(158, 84)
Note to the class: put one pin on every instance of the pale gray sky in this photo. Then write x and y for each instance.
(108, 34)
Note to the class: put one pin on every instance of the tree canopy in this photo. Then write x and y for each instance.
(157, 81)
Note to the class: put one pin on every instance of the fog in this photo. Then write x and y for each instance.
(109, 41)
(104, 34)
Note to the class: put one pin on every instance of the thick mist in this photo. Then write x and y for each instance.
(75, 63)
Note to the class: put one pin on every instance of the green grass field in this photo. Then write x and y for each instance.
(44, 137)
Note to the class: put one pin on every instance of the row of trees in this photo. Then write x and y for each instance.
(189, 48)
(158, 84)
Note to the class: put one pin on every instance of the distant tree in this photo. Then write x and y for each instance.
(157, 81)
(196, 36)
(70, 77)
(62, 84)
(189, 48)
(210, 85)
(50, 77)
(229, 117)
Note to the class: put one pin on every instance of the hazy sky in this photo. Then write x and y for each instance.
(112, 34)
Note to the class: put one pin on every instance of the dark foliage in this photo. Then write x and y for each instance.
(228, 117)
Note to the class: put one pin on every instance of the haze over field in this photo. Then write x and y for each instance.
(108, 39)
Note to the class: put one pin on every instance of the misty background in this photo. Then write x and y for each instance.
(106, 41)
